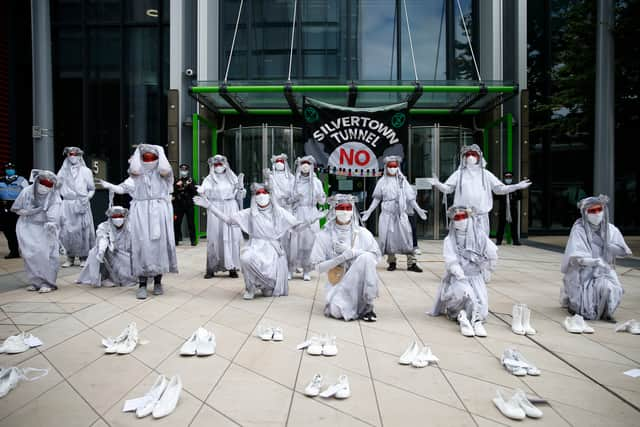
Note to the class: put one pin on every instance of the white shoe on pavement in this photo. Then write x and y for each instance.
(424, 358)
(152, 397)
(510, 408)
(340, 390)
(190, 346)
(14, 344)
(529, 410)
(278, 334)
(516, 319)
(465, 326)
(329, 348)
(313, 388)
(579, 320)
(315, 346)
(265, 334)
(205, 342)
(526, 320)
(130, 343)
(169, 398)
(409, 354)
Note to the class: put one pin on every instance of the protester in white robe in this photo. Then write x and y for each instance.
(225, 191)
(591, 286)
(398, 198)
(281, 181)
(348, 253)
(153, 247)
(39, 208)
(473, 185)
(262, 259)
(109, 261)
(469, 257)
(307, 194)
(75, 181)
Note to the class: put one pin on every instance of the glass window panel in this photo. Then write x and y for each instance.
(103, 11)
(376, 48)
(143, 11)
(67, 11)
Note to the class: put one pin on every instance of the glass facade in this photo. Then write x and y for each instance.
(345, 40)
(561, 79)
(110, 77)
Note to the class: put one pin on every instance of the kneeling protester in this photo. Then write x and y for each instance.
(110, 258)
(348, 253)
(470, 257)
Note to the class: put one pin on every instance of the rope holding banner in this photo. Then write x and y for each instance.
(293, 31)
(413, 57)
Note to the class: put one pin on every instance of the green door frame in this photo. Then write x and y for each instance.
(507, 120)
(195, 131)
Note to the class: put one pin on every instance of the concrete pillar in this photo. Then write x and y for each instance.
(604, 146)
(43, 147)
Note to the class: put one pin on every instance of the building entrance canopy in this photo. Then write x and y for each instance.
(441, 97)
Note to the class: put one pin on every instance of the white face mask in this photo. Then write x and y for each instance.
(461, 225)
(392, 171)
(118, 222)
(344, 217)
(149, 166)
(595, 218)
(471, 160)
(508, 180)
(263, 200)
(43, 189)
(279, 166)
(74, 160)
(219, 169)
(184, 174)
(305, 168)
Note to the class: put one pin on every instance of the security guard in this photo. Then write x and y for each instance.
(10, 186)
(184, 190)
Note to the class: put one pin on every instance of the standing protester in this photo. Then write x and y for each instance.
(281, 182)
(397, 197)
(76, 188)
(184, 190)
(109, 261)
(39, 207)
(224, 191)
(348, 253)
(473, 184)
(307, 195)
(10, 187)
(591, 286)
(508, 212)
(153, 248)
(263, 260)
(469, 258)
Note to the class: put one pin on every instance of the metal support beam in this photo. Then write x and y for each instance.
(415, 96)
(353, 95)
(469, 100)
(291, 100)
(201, 100)
(604, 148)
(231, 100)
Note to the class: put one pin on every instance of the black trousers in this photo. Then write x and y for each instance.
(8, 222)
(180, 211)
(502, 221)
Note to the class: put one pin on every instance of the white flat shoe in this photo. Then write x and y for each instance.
(329, 348)
(32, 288)
(515, 363)
(529, 410)
(248, 295)
(66, 264)
(634, 327)
(306, 277)
(424, 357)
(14, 344)
(465, 326)
(11, 376)
(509, 408)
(479, 330)
(169, 398)
(189, 347)
(112, 344)
(624, 327)
(129, 344)
(205, 342)
(313, 388)
(409, 354)
(152, 397)
(44, 289)
(266, 334)
(315, 346)
(571, 326)
(579, 320)
(278, 335)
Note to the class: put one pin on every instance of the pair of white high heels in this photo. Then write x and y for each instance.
(161, 399)
(124, 343)
(417, 357)
(521, 320)
(339, 390)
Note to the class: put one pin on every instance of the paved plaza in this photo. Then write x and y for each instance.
(250, 382)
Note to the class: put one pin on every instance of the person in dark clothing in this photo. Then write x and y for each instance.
(184, 190)
(10, 186)
(508, 212)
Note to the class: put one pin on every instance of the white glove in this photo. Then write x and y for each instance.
(106, 185)
(365, 216)
(201, 201)
(600, 263)
(340, 247)
(421, 213)
(524, 184)
(457, 271)
(349, 254)
(199, 189)
(589, 262)
(486, 275)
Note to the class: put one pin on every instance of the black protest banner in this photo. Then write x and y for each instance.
(353, 141)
